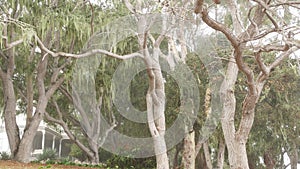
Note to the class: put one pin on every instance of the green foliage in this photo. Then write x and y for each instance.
(127, 162)
(277, 116)
(77, 153)
(48, 155)
(4, 156)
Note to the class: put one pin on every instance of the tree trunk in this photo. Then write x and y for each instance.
(12, 130)
(268, 160)
(188, 154)
(25, 146)
(201, 162)
(207, 155)
(155, 99)
(237, 154)
(10, 102)
(176, 156)
(293, 154)
(94, 159)
(221, 152)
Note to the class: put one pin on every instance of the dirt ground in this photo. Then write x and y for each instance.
(8, 164)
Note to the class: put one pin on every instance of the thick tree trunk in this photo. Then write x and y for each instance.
(94, 158)
(25, 147)
(11, 127)
(10, 102)
(188, 154)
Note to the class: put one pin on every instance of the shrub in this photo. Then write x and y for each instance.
(128, 163)
(4, 156)
(48, 154)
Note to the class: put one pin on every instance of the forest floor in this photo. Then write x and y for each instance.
(9, 164)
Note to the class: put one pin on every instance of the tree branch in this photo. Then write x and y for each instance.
(282, 56)
(220, 27)
(13, 44)
(129, 6)
(69, 133)
(89, 53)
(54, 87)
(270, 48)
(289, 3)
(261, 64)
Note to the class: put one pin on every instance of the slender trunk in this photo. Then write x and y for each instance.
(176, 156)
(201, 162)
(155, 99)
(293, 154)
(29, 92)
(268, 160)
(207, 155)
(237, 155)
(229, 103)
(221, 152)
(188, 154)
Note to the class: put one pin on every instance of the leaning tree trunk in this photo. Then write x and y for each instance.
(25, 146)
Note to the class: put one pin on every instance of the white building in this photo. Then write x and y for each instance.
(45, 138)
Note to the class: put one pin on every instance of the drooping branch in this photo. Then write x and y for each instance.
(86, 54)
(78, 104)
(66, 129)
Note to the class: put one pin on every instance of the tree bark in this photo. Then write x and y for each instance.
(293, 154)
(155, 99)
(268, 160)
(221, 153)
(11, 128)
(25, 146)
(188, 154)
(6, 74)
(207, 155)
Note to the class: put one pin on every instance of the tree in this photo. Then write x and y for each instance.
(278, 109)
(24, 64)
(259, 22)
